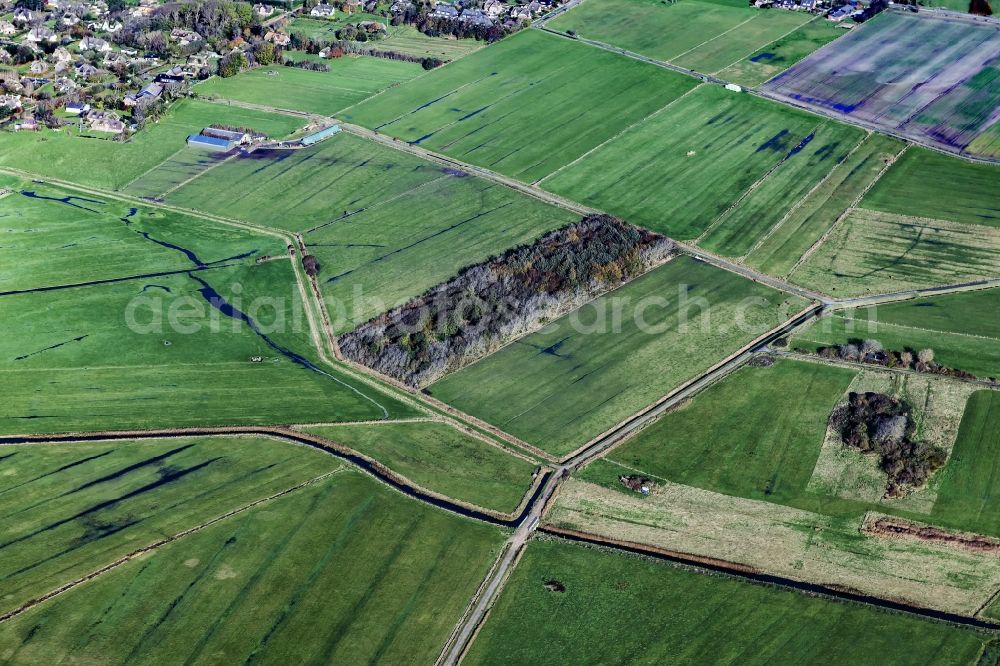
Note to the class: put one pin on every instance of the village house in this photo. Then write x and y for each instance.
(40, 34)
(444, 10)
(61, 54)
(38, 67)
(278, 38)
(104, 121)
(12, 102)
(323, 10)
(116, 60)
(28, 124)
(99, 8)
(520, 13)
(107, 25)
(23, 16)
(351, 6)
(263, 10)
(94, 44)
(69, 20)
(476, 17)
(7, 28)
(399, 6)
(493, 8)
(64, 85)
(77, 108)
(147, 95)
(184, 37)
(85, 69)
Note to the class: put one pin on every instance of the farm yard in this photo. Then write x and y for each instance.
(930, 77)
(706, 36)
(958, 327)
(112, 165)
(349, 81)
(310, 574)
(440, 458)
(492, 108)
(608, 594)
(587, 371)
(679, 171)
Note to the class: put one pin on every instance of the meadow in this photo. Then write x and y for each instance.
(592, 368)
(349, 81)
(401, 39)
(969, 490)
(154, 353)
(781, 54)
(778, 251)
(606, 615)
(378, 220)
(755, 434)
(442, 459)
(111, 164)
(51, 236)
(680, 170)
(704, 36)
(959, 328)
(71, 508)
(927, 184)
(945, 64)
(342, 570)
(739, 228)
(493, 108)
(871, 252)
(173, 172)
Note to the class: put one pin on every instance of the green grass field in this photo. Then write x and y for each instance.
(71, 508)
(756, 434)
(153, 353)
(970, 484)
(402, 38)
(806, 223)
(649, 176)
(380, 221)
(349, 81)
(342, 570)
(494, 107)
(924, 183)
(871, 252)
(52, 236)
(740, 228)
(587, 371)
(782, 53)
(960, 328)
(184, 165)
(112, 165)
(703, 36)
(620, 609)
(442, 459)
(987, 144)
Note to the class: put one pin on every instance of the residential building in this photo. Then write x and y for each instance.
(263, 10)
(12, 102)
(323, 10)
(444, 10)
(77, 108)
(40, 34)
(94, 44)
(7, 28)
(105, 121)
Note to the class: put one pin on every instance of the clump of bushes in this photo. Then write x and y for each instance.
(308, 64)
(510, 295)
(871, 351)
(880, 424)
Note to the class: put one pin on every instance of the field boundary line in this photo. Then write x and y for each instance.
(153, 168)
(197, 175)
(801, 202)
(873, 367)
(663, 108)
(66, 587)
(779, 38)
(712, 39)
(987, 603)
(843, 216)
(724, 215)
(916, 328)
(605, 458)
